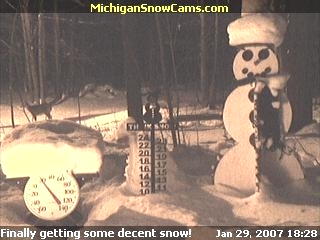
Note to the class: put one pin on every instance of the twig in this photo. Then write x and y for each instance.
(306, 152)
(79, 110)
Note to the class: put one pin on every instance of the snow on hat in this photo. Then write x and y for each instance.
(268, 28)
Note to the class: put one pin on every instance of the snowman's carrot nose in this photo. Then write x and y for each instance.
(257, 62)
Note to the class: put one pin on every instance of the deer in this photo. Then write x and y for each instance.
(43, 108)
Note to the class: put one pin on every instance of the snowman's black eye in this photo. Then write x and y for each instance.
(263, 54)
(247, 55)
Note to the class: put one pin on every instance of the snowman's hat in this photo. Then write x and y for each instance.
(263, 28)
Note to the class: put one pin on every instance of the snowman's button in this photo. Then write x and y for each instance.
(251, 95)
(251, 117)
(252, 140)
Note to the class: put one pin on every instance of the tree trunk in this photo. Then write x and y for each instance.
(213, 83)
(33, 61)
(133, 83)
(71, 83)
(303, 66)
(41, 56)
(204, 51)
(29, 84)
(174, 69)
(11, 77)
(56, 37)
(20, 78)
(165, 81)
(172, 51)
(30, 49)
(254, 6)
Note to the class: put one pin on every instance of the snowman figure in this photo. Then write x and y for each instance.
(257, 113)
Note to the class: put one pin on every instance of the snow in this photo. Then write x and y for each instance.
(266, 28)
(107, 202)
(51, 145)
(307, 142)
(264, 211)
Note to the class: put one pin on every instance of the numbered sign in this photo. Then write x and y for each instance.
(151, 152)
(153, 177)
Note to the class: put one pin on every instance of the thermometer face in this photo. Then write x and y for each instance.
(52, 196)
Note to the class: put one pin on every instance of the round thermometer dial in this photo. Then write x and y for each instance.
(52, 196)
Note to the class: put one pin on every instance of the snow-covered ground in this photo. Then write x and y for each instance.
(106, 202)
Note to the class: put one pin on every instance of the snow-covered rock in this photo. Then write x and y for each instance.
(51, 145)
(121, 134)
(268, 28)
(313, 128)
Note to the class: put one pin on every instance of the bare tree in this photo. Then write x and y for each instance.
(212, 85)
(133, 81)
(30, 51)
(56, 50)
(11, 75)
(71, 53)
(254, 6)
(204, 52)
(302, 60)
(171, 37)
(41, 57)
(165, 81)
(25, 28)
(172, 50)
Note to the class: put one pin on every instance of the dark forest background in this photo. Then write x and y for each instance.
(50, 53)
(92, 47)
